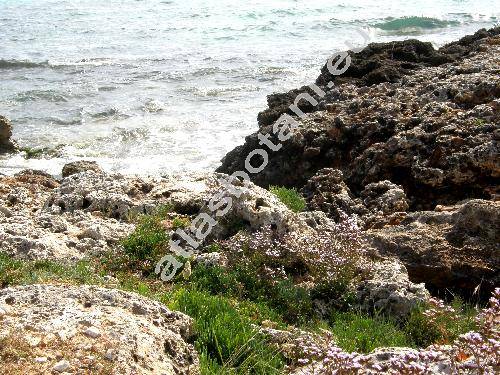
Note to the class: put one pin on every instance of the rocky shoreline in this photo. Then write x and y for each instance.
(407, 143)
(414, 128)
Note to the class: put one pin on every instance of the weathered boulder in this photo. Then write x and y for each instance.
(30, 230)
(6, 143)
(80, 166)
(389, 290)
(455, 248)
(78, 328)
(326, 191)
(378, 204)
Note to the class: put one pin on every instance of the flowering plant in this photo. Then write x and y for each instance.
(472, 353)
(323, 255)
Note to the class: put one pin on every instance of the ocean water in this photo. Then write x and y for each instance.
(169, 86)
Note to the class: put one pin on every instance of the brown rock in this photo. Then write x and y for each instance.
(6, 144)
(80, 166)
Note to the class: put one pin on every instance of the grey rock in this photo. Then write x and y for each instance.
(137, 343)
(80, 166)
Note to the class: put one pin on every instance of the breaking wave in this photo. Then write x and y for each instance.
(21, 64)
(412, 23)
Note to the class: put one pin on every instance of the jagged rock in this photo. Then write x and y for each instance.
(391, 152)
(326, 191)
(80, 166)
(419, 133)
(30, 230)
(379, 203)
(6, 143)
(455, 248)
(389, 290)
(82, 322)
(377, 63)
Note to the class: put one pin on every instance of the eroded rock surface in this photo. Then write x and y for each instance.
(455, 248)
(75, 328)
(31, 229)
(80, 166)
(6, 143)
(405, 130)
(434, 132)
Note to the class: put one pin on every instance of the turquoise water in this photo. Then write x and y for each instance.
(153, 87)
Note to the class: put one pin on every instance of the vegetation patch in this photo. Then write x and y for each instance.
(437, 323)
(358, 332)
(149, 238)
(226, 340)
(268, 281)
(21, 272)
(289, 197)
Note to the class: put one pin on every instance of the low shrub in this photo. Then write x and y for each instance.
(437, 323)
(332, 256)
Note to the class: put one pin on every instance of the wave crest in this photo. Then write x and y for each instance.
(413, 23)
(21, 64)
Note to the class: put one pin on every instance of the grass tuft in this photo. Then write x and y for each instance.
(290, 197)
(358, 332)
(226, 340)
(149, 238)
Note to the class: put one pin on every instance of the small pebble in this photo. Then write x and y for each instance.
(61, 366)
(92, 332)
(41, 359)
(110, 355)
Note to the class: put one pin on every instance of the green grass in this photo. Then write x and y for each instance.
(445, 329)
(18, 272)
(355, 331)
(292, 302)
(290, 197)
(226, 340)
(179, 222)
(149, 239)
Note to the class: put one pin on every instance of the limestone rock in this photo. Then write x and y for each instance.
(29, 230)
(378, 204)
(80, 166)
(68, 317)
(61, 366)
(456, 248)
(388, 290)
(6, 143)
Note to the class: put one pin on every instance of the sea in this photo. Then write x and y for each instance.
(163, 87)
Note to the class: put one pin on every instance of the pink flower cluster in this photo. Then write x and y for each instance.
(437, 309)
(472, 353)
(326, 254)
